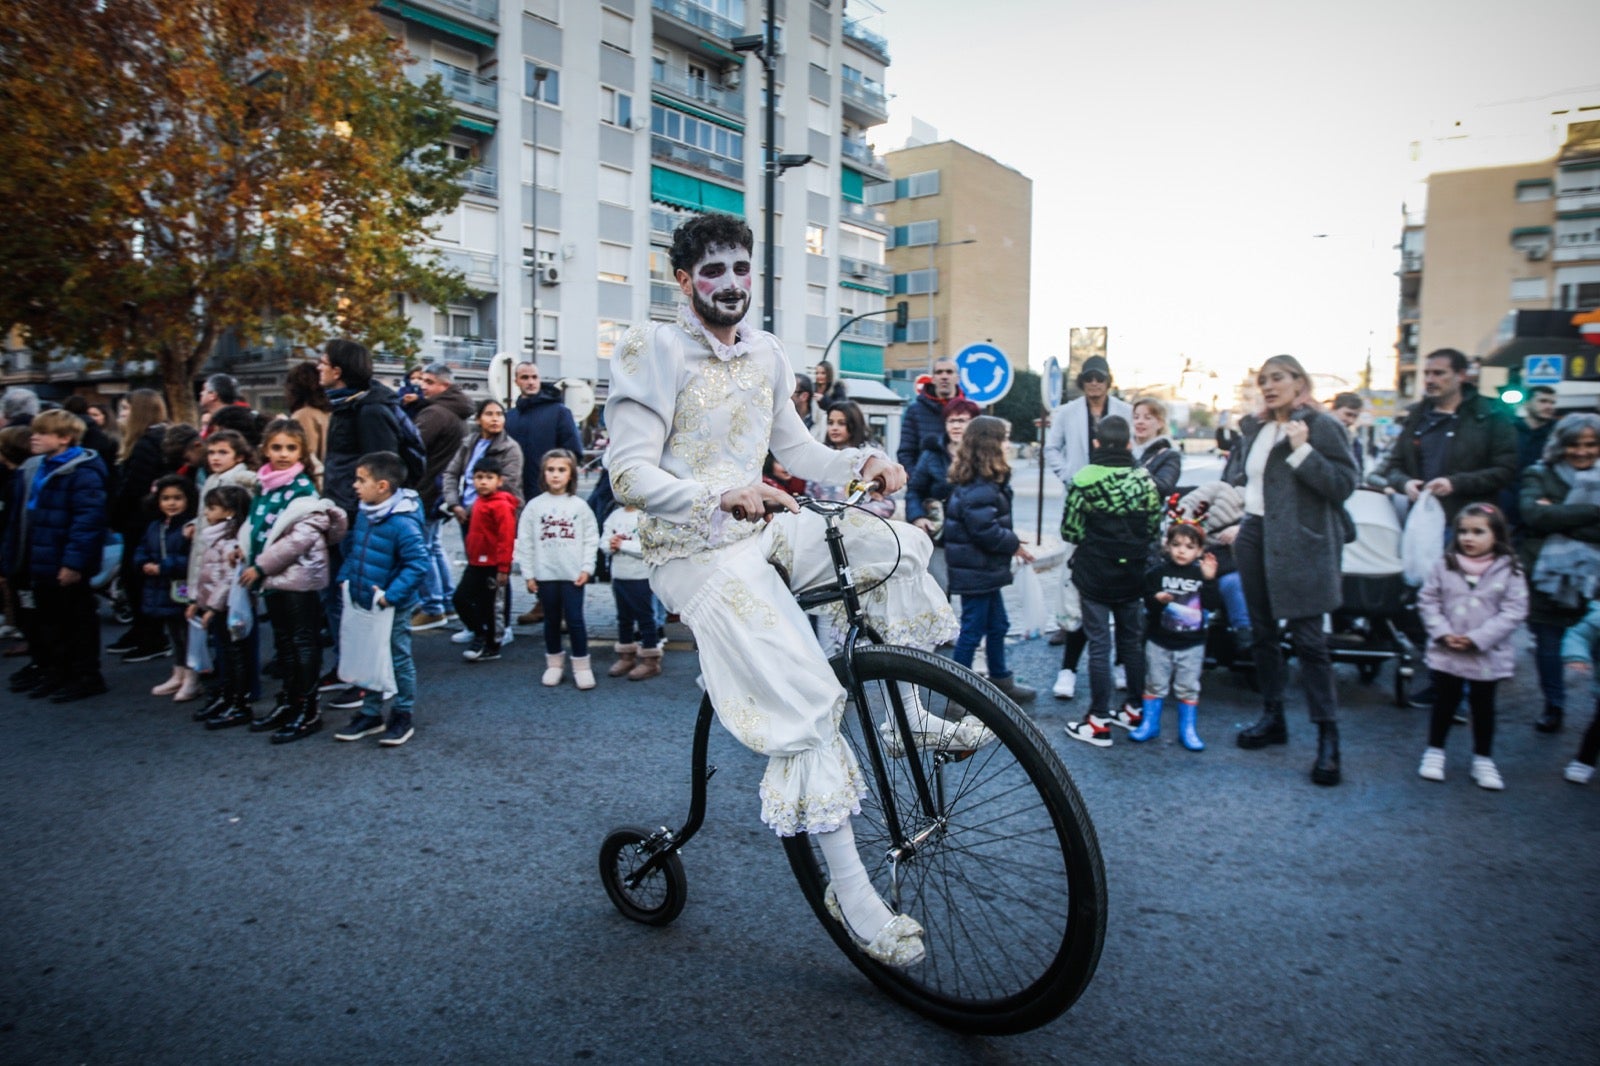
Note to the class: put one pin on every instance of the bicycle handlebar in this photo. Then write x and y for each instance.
(858, 491)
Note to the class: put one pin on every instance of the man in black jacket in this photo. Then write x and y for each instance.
(924, 415)
(538, 423)
(1456, 444)
(441, 417)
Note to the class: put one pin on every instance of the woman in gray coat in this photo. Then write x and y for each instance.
(1295, 470)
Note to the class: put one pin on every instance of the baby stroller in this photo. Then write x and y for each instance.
(1367, 630)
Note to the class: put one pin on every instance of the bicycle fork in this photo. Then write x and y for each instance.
(664, 841)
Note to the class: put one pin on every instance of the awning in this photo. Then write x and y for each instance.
(851, 186)
(861, 360)
(474, 124)
(695, 194)
(1530, 231)
(442, 23)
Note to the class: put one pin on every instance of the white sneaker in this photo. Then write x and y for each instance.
(1485, 774)
(1432, 768)
(463, 637)
(1579, 773)
(1090, 732)
(507, 637)
(1119, 676)
(1066, 685)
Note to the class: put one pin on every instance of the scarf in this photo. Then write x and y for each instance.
(383, 508)
(1475, 567)
(273, 480)
(49, 466)
(1568, 570)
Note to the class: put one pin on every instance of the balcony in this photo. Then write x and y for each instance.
(698, 90)
(864, 215)
(487, 10)
(1410, 262)
(864, 273)
(700, 17)
(481, 269)
(1577, 251)
(696, 158)
(858, 34)
(481, 180)
(861, 156)
(664, 300)
(459, 351)
(465, 87)
(869, 330)
(869, 101)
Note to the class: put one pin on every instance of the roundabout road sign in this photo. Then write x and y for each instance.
(985, 373)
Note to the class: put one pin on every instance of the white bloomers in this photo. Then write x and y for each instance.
(767, 676)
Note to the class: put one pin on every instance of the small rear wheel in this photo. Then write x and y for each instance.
(656, 899)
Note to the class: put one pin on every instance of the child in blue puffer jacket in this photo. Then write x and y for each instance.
(163, 557)
(1581, 646)
(385, 563)
(979, 546)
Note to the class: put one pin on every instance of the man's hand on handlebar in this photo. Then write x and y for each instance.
(754, 501)
(893, 475)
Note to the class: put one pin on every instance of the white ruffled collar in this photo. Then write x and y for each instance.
(695, 328)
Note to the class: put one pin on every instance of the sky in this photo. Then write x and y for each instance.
(1184, 155)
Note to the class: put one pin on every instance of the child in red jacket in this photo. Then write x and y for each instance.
(491, 537)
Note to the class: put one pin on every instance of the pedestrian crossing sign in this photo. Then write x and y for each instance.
(1543, 369)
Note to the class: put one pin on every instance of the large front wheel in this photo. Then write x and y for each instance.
(1001, 867)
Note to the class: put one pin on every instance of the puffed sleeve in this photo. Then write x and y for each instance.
(639, 411)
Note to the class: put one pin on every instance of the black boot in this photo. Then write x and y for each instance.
(212, 707)
(1550, 720)
(307, 720)
(282, 708)
(235, 711)
(1268, 729)
(1325, 771)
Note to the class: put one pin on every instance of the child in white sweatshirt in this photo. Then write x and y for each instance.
(640, 658)
(557, 538)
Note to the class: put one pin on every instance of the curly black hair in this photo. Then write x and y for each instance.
(690, 240)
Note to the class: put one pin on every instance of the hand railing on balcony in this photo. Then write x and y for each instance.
(700, 89)
(698, 158)
(465, 86)
(488, 10)
(1411, 262)
(481, 266)
(664, 296)
(875, 331)
(861, 153)
(871, 96)
(876, 41)
(481, 180)
(664, 223)
(872, 216)
(863, 272)
(460, 351)
(699, 16)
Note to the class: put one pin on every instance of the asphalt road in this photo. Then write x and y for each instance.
(177, 896)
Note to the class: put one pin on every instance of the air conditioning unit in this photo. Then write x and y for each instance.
(549, 274)
(732, 77)
(1538, 251)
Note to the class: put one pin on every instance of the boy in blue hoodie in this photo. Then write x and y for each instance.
(385, 563)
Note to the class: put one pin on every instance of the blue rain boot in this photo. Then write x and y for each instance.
(1186, 733)
(1150, 727)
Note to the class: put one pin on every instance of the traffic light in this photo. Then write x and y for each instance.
(1511, 391)
(902, 314)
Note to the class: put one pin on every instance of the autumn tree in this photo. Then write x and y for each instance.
(173, 171)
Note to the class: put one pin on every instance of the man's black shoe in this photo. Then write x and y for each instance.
(1325, 771)
(146, 652)
(123, 644)
(1422, 699)
(330, 682)
(1268, 729)
(26, 678)
(81, 689)
(282, 710)
(347, 698)
(1550, 720)
(215, 705)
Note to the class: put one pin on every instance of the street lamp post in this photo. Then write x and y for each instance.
(539, 76)
(931, 248)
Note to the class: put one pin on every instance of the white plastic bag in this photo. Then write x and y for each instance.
(1030, 619)
(197, 656)
(364, 659)
(241, 609)
(1422, 543)
(1070, 616)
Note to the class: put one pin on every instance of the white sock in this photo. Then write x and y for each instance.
(916, 713)
(864, 911)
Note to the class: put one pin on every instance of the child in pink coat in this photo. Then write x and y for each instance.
(1472, 604)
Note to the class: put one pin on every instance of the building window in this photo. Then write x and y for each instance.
(548, 337)
(1531, 191)
(616, 31)
(816, 300)
(1583, 296)
(819, 116)
(916, 282)
(549, 242)
(816, 239)
(541, 167)
(616, 107)
(917, 233)
(924, 184)
(608, 337)
(1529, 288)
(548, 91)
(616, 186)
(549, 10)
(455, 321)
(881, 193)
(725, 145)
(613, 262)
(919, 331)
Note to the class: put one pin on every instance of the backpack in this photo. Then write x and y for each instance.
(412, 450)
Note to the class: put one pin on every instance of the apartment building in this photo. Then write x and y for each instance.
(960, 251)
(1496, 246)
(593, 129)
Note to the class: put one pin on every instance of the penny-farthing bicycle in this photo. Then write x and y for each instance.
(991, 850)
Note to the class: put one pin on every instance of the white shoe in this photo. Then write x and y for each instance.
(1432, 768)
(897, 944)
(1119, 676)
(1486, 775)
(463, 637)
(1066, 685)
(507, 637)
(170, 685)
(1579, 773)
(969, 734)
(554, 667)
(582, 672)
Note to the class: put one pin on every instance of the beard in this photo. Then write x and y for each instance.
(721, 310)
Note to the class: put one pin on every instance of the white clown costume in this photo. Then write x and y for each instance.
(692, 418)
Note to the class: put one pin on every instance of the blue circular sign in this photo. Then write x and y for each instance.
(1050, 383)
(985, 373)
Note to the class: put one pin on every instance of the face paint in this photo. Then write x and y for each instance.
(721, 285)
